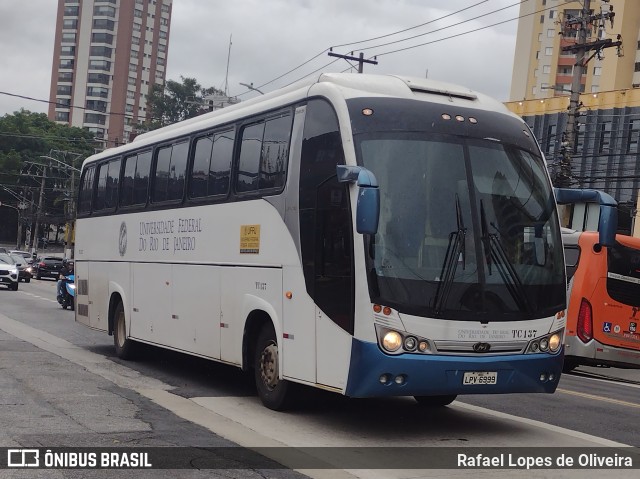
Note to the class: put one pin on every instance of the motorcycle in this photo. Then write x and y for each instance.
(67, 298)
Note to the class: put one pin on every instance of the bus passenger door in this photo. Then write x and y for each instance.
(326, 241)
(334, 284)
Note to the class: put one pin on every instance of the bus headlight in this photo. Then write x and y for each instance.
(555, 340)
(392, 341)
(549, 343)
(410, 343)
(397, 342)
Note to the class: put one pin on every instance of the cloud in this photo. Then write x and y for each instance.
(274, 37)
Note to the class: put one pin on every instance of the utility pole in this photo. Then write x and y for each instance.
(360, 59)
(71, 214)
(34, 239)
(583, 23)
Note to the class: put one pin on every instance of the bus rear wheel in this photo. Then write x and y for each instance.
(435, 401)
(125, 347)
(275, 393)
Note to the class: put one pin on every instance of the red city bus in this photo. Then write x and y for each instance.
(604, 301)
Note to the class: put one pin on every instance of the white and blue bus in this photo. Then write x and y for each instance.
(369, 235)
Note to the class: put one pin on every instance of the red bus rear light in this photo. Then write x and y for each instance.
(584, 329)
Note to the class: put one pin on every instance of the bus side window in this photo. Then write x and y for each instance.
(135, 179)
(171, 166)
(211, 169)
(275, 153)
(86, 191)
(107, 189)
(572, 257)
(249, 161)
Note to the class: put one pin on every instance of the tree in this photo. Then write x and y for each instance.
(24, 138)
(176, 101)
(31, 135)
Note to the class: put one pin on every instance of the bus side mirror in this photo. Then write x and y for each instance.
(368, 205)
(608, 222)
(607, 225)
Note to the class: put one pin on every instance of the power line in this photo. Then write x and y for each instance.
(400, 31)
(414, 27)
(62, 105)
(471, 31)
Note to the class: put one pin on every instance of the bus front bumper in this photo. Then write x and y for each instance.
(432, 375)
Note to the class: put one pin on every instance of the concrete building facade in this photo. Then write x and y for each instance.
(107, 56)
(542, 69)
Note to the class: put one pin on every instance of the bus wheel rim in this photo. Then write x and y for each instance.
(269, 366)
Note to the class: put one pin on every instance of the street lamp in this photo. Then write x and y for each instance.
(251, 87)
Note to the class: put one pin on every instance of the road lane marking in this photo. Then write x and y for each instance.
(39, 297)
(606, 379)
(598, 398)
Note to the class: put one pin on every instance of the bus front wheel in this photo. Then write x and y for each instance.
(124, 346)
(275, 393)
(435, 401)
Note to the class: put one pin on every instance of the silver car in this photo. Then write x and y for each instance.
(8, 272)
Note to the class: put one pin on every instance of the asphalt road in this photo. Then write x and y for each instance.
(62, 386)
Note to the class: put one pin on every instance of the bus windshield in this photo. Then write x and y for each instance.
(468, 228)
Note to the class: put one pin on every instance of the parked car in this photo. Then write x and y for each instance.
(24, 267)
(47, 267)
(8, 272)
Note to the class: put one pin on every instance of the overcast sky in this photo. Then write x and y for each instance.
(271, 37)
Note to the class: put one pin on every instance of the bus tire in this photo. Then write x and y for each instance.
(125, 347)
(274, 393)
(435, 401)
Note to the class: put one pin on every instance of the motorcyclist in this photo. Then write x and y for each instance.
(67, 270)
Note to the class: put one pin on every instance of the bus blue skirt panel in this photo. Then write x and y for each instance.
(374, 374)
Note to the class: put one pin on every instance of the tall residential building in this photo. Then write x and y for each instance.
(107, 56)
(542, 70)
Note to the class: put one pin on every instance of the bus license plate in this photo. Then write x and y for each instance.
(473, 378)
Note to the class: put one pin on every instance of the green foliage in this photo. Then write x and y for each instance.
(176, 101)
(25, 136)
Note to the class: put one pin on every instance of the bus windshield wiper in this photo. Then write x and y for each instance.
(455, 253)
(508, 273)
